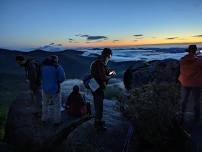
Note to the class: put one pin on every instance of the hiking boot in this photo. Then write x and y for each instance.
(196, 120)
(37, 114)
(98, 123)
(101, 128)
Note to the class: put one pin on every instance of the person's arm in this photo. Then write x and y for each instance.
(31, 71)
(61, 74)
(102, 72)
(81, 99)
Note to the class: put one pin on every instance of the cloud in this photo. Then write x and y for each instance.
(197, 36)
(84, 35)
(92, 38)
(135, 40)
(138, 35)
(52, 44)
(51, 47)
(72, 40)
(171, 38)
(114, 41)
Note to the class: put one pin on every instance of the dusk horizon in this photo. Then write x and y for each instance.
(78, 24)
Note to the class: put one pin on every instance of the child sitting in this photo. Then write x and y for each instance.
(75, 103)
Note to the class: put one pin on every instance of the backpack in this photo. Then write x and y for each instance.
(36, 70)
(86, 80)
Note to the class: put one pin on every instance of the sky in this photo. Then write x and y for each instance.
(99, 23)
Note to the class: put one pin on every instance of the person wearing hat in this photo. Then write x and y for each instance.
(101, 73)
(191, 81)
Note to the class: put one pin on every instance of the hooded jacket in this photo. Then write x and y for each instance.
(190, 71)
(100, 72)
(52, 76)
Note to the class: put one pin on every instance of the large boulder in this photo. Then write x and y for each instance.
(154, 71)
(25, 131)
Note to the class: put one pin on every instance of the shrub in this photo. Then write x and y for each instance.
(153, 108)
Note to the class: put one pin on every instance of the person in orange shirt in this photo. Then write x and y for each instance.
(191, 81)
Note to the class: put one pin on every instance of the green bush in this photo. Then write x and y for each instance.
(153, 108)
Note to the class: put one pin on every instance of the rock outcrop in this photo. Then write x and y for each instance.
(86, 139)
(25, 131)
(145, 72)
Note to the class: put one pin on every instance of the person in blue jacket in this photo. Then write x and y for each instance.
(52, 76)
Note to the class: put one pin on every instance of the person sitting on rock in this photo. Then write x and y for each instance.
(191, 80)
(75, 103)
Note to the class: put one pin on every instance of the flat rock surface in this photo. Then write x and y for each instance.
(86, 139)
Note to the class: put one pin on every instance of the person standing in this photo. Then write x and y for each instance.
(52, 76)
(33, 77)
(101, 73)
(191, 81)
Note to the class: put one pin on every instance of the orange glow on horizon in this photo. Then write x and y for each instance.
(139, 42)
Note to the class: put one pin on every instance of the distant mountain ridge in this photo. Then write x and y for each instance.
(75, 65)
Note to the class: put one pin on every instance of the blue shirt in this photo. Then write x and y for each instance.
(52, 76)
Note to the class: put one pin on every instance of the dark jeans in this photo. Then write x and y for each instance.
(36, 100)
(98, 97)
(185, 93)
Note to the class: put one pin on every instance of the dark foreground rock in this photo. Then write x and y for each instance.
(195, 131)
(86, 139)
(144, 72)
(4, 147)
(25, 131)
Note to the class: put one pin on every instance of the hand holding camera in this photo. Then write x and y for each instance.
(112, 73)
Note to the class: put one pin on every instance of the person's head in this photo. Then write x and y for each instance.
(20, 60)
(192, 49)
(76, 88)
(54, 59)
(107, 54)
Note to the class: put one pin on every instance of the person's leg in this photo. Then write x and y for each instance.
(57, 108)
(96, 104)
(98, 101)
(88, 108)
(185, 92)
(37, 100)
(45, 101)
(196, 98)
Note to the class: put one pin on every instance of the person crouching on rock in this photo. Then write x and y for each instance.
(75, 103)
(33, 77)
(191, 81)
(101, 73)
(52, 75)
